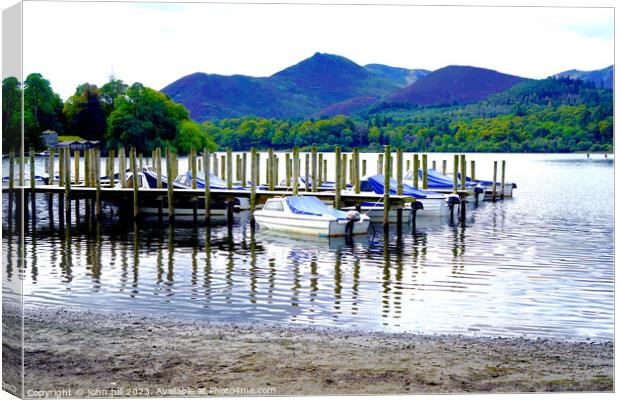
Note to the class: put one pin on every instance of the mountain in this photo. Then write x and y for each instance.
(297, 91)
(454, 85)
(604, 77)
(399, 76)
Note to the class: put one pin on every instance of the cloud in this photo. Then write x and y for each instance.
(71, 43)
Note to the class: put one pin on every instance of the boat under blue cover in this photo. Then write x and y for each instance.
(377, 183)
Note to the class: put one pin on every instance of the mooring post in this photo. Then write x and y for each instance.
(320, 177)
(356, 169)
(268, 168)
(122, 167)
(253, 179)
(194, 168)
(380, 165)
(223, 166)
(363, 167)
(407, 165)
(98, 208)
(50, 168)
(141, 163)
(424, 171)
(276, 169)
(314, 170)
(399, 188)
(386, 189)
(307, 172)
(444, 167)
(153, 157)
(258, 169)
(503, 178)
(11, 174)
(170, 185)
(472, 167)
(215, 172)
(205, 167)
(338, 178)
(61, 167)
(229, 172)
(295, 171)
(32, 175)
(416, 169)
(67, 165)
(158, 166)
(343, 183)
(111, 156)
(134, 175)
(494, 180)
(463, 172)
(244, 168)
(455, 185)
(325, 170)
(238, 167)
(76, 166)
(287, 161)
(434, 165)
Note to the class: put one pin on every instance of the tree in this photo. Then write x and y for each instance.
(11, 114)
(45, 107)
(144, 118)
(84, 114)
(109, 92)
(193, 135)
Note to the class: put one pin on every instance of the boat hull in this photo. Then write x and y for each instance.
(488, 192)
(304, 225)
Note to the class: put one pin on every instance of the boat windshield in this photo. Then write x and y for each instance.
(274, 205)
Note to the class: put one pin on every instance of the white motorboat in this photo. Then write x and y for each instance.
(308, 215)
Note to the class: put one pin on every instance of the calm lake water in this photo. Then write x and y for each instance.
(537, 265)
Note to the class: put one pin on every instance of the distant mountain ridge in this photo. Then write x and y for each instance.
(604, 77)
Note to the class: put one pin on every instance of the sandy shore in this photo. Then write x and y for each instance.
(101, 354)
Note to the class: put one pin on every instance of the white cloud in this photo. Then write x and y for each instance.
(72, 43)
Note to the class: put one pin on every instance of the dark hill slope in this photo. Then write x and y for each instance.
(454, 85)
(604, 77)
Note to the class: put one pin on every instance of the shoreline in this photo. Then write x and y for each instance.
(96, 353)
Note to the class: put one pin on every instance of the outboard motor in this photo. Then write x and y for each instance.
(352, 217)
(415, 206)
(514, 185)
(453, 201)
(478, 190)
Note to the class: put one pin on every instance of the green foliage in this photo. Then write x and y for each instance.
(108, 94)
(193, 135)
(144, 118)
(11, 114)
(84, 113)
(42, 110)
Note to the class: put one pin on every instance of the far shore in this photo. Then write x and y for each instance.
(108, 354)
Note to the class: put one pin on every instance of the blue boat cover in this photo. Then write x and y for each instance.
(214, 181)
(484, 183)
(377, 184)
(310, 205)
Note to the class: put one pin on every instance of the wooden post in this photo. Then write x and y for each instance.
(325, 170)
(61, 167)
(424, 171)
(257, 168)
(356, 169)
(98, 208)
(463, 172)
(223, 166)
(141, 164)
(435, 165)
(194, 171)
(314, 170)
(503, 178)
(343, 183)
(268, 167)
(238, 167)
(112, 157)
(295, 171)
(473, 170)
(229, 171)
(153, 158)
(175, 167)
(307, 172)
(253, 180)
(205, 164)
(50, 168)
(215, 172)
(170, 185)
(399, 171)
(363, 168)
(158, 167)
(276, 169)
(12, 176)
(134, 173)
(386, 189)
(67, 165)
(407, 165)
(416, 169)
(380, 165)
(76, 166)
(321, 178)
(444, 167)
(244, 168)
(455, 184)
(287, 161)
(338, 178)
(122, 167)
(32, 174)
(494, 180)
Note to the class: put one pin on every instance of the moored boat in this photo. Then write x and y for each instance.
(307, 215)
(438, 181)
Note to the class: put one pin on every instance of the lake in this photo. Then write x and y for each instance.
(538, 265)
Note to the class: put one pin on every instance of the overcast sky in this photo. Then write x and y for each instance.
(73, 43)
